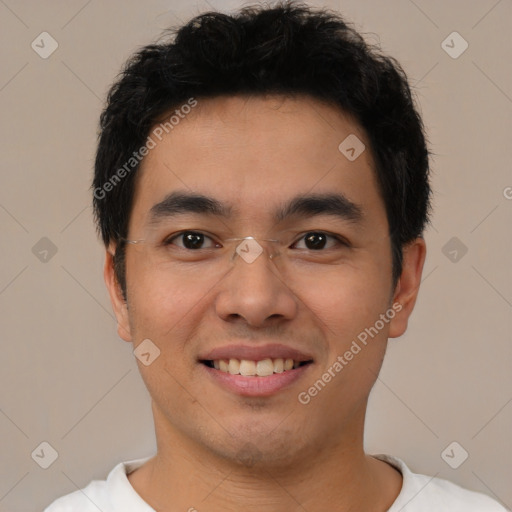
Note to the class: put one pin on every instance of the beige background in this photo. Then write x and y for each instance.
(68, 380)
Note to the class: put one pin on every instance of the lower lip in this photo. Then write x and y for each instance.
(256, 386)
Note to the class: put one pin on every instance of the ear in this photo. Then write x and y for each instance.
(408, 285)
(119, 305)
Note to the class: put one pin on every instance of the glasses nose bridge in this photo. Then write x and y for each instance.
(249, 248)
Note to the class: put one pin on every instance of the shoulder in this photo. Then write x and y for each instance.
(422, 493)
(113, 494)
(88, 499)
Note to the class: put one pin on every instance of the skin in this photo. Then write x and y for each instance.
(220, 451)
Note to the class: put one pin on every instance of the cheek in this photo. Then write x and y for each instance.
(348, 309)
(166, 313)
(160, 304)
(349, 300)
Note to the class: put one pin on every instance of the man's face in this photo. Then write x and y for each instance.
(255, 156)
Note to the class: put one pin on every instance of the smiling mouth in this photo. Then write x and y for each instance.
(248, 368)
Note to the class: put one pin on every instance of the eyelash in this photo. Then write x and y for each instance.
(339, 240)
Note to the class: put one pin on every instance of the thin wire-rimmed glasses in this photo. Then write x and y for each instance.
(221, 254)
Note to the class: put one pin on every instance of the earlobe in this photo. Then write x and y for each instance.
(119, 305)
(408, 285)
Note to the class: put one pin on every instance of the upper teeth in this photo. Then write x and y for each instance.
(262, 368)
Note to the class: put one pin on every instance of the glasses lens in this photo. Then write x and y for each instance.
(201, 256)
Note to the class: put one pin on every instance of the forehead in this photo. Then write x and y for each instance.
(252, 153)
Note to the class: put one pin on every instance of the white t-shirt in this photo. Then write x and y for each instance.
(419, 493)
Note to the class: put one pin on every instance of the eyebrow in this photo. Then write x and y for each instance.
(182, 203)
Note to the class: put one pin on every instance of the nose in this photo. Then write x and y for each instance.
(254, 290)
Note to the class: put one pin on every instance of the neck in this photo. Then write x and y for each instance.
(184, 475)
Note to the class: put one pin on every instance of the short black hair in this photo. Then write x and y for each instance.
(287, 49)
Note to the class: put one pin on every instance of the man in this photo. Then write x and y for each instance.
(261, 187)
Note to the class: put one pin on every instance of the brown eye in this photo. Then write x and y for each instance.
(318, 240)
(192, 240)
(315, 241)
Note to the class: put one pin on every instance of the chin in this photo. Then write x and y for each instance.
(262, 450)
